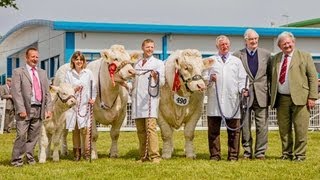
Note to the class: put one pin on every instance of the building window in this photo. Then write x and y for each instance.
(90, 56)
(50, 65)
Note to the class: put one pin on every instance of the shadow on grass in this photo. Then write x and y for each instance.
(6, 162)
(133, 153)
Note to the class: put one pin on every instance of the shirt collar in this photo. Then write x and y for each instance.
(249, 51)
(226, 55)
(30, 68)
(289, 55)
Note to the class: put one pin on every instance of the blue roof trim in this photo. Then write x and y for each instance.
(160, 29)
(33, 22)
(179, 29)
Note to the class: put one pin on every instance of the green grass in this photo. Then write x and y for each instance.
(178, 167)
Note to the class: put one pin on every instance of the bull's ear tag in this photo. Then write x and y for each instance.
(180, 100)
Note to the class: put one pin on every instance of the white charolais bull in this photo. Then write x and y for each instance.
(52, 129)
(111, 73)
(181, 99)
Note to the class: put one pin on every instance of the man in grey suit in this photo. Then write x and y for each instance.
(32, 101)
(256, 62)
(293, 92)
(9, 114)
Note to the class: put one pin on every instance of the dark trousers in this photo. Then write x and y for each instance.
(214, 124)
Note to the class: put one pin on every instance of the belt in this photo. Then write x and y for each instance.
(288, 95)
(35, 105)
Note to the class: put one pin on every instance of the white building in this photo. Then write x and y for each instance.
(57, 40)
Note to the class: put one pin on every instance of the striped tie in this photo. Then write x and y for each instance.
(283, 69)
(36, 86)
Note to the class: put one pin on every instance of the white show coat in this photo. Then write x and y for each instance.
(141, 107)
(83, 79)
(231, 77)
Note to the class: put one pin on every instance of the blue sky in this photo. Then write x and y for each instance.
(248, 13)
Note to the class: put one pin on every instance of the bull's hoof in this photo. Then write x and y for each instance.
(113, 155)
(166, 156)
(191, 156)
(94, 155)
(42, 161)
(64, 154)
(55, 159)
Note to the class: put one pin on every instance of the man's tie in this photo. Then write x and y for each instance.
(36, 86)
(144, 61)
(223, 57)
(283, 69)
(251, 53)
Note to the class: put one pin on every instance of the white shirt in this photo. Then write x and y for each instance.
(33, 97)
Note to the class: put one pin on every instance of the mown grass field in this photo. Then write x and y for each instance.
(126, 167)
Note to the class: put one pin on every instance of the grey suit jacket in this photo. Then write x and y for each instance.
(5, 94)
(303, 78)
(259, 85)
(21, 90)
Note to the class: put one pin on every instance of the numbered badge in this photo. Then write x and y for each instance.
(180, 100)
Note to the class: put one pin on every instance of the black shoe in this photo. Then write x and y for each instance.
(286, 157)
(215, 158)
(261, 158)
(232, 159)
(17, 164)
(247, 157)
(32, 162)
(299, 159)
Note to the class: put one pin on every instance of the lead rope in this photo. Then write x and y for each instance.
(224, 118)
(91, 119)
(79, 104)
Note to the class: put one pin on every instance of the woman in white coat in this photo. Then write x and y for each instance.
(78, 118)
(228, 75)
(145, 101)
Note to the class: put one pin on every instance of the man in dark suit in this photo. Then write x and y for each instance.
(32, 101)
(9, 114)
(293, 93)
(256, 62)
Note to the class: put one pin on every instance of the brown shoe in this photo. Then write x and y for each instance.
(260, 158)
(77, 154)
(246, 158)
(156, 160)
(141, 160)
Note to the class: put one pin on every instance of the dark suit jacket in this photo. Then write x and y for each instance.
(21, 90)
(303, 78)
(5, 94)
(259, 85)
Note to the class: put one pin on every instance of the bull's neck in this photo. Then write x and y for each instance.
(107, 91)
(59, 107)
(170, 73)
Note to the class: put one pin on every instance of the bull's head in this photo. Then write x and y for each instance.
(119, 63)
(190, 65)
(65, 93)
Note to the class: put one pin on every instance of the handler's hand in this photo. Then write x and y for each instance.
(91, 101)
(78, 88)
(213, 77)
(311, 103)
(48, 114)
(245, 92)
(23, 115)
(154, 75)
